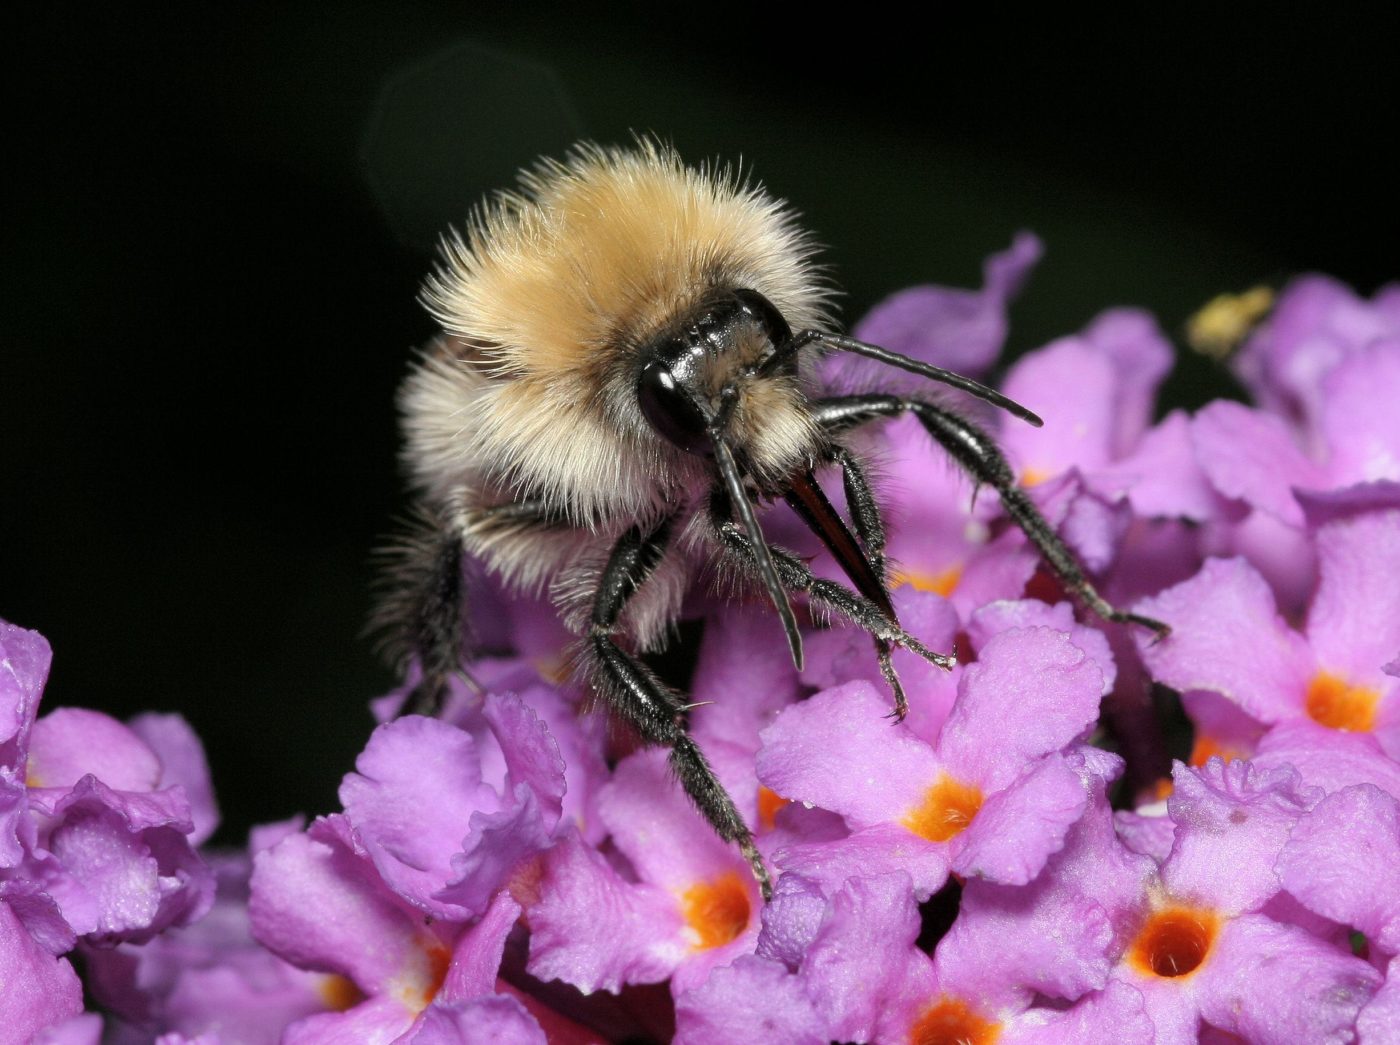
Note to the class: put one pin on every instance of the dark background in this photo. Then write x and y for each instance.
(215, 226)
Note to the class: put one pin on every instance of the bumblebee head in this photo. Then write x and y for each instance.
(720, 373)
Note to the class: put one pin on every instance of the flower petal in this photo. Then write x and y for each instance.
(845, 653)
(320, 906)
(1006, 614)
(1232, 820)
(962, 330)
(1271, 983)
(1031, 692)
(1327, 758)
(411, 802)
(182, 762)
(840, 751)
(578, 893)
(1343, 861)
(1316, 323)
(879, 850)
(1227, 637)
(476, 958)
(69, 743)
(1250, 456)
(25, 657)
(1354, 622)
(1009, 943)
(378, 1020)
(791, 920)
(855, 966)
(1117, 1013)
(656, 827)
(1359, 424)
(128, 855)
(1162, 476)
(751, 1000)
(39, 989)
(497, 1018)
(745, 672)
(1017, 829)
(1379, 1021)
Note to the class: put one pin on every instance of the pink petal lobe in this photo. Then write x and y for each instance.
(580, 892)
(1031, 692)
(1019, 828)
(840, 751)
(1276, 985)
(1227, 637)
(1343, 861)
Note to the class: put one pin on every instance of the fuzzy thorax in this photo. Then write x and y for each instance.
(550, 302)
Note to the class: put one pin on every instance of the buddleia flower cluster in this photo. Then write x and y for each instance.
(1019, 860)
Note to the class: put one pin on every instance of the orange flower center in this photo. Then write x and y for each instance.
(1207, 747)
(1174, 941)
(949, 1021)
(718, 911)
(339, 992)
(1332, 703)
(1033, 477)
(941, 583)
(417, 985)
(769, 802)
(948, 807)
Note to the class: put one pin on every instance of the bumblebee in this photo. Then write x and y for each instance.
(626, 374)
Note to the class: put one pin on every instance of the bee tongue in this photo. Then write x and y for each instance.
(810, 503)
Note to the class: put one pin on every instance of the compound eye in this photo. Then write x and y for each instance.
(772, 321)
(669, 408)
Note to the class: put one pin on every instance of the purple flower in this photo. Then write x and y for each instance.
(40, 988)
(421, 809)
(992, 797)
(743, 678)
(211, 977)
(962, 330)
(1317, 324)
(861, 976)
(1334, 445)
(94, 837)
(1228, 638)
(1096, 392)
(321, 906)
(510, 842)
(1212, 947)
(1097, 461)
(1342, 860)
(1205, 936)
(683, 903)
(750, 999)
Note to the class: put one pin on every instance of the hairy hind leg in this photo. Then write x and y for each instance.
(634, 693)
(421, 611)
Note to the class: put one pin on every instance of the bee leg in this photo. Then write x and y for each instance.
(797, 576)
(981, 458)
(421, 611)
(865, 514)
(864, 509)
(634, 692)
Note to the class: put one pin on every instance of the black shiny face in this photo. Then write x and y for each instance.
(676, 389)
(671, 408)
